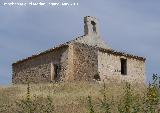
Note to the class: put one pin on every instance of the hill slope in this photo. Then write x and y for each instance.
(75, 97)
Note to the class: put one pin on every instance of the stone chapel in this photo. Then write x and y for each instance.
(87, 58)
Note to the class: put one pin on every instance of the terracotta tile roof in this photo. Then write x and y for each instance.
(72, 41)
(41, 53)
(47, 51)
(121, 53)
(112, 51)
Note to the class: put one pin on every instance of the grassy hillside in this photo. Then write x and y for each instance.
(78, 97)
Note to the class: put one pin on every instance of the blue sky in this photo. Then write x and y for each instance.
(131, 26)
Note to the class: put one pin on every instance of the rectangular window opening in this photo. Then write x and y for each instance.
(93, 26)
(124, 66)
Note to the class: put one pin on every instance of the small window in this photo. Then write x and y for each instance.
(93, 26)
(124, 66)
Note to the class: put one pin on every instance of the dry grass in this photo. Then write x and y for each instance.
(69, 97)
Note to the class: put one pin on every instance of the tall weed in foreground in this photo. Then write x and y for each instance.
(104, 103)
(151, 100)
(90, 105)
(36, 104)
(26, 104)
(130, 102)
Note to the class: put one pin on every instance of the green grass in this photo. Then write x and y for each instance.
(76, 97)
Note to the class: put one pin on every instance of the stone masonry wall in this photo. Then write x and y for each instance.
(85, 62)
(109, 67)
(78, 62)
(38, 69)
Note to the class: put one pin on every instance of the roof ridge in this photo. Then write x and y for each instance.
(122, 53)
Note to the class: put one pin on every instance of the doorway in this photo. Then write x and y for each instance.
(55, 72)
